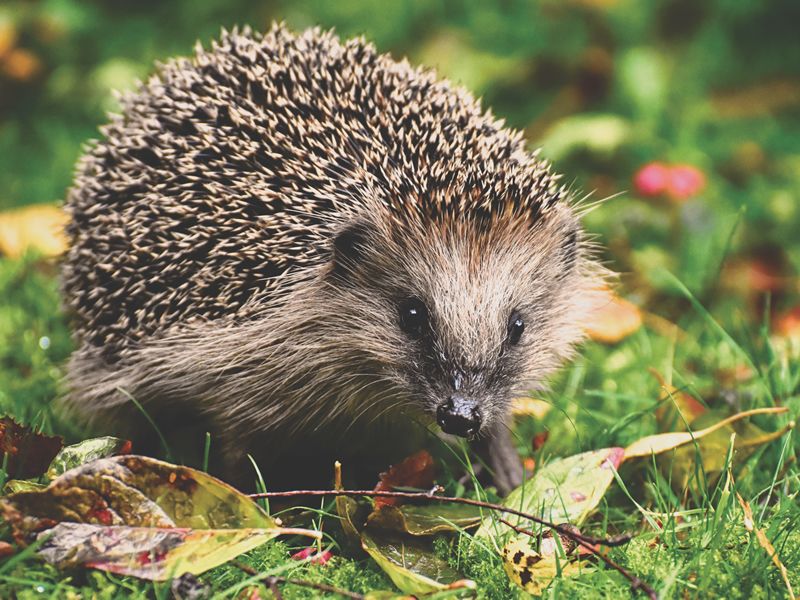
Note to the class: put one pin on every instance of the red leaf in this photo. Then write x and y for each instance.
(311, 555)
(6, 549)
(416, 471)
(28, 452)
(539, 440)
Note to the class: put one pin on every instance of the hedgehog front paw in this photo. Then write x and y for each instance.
(497, 450)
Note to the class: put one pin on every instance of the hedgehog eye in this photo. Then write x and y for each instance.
(413, 316)
(516, 326)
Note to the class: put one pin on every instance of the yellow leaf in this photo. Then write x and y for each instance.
(612, 319)
(40, 227)
(763, 541)
(533, 571)
(8, 35)
(655, 444)
(530, 407)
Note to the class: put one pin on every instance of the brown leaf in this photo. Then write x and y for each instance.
(28, 452)
(763, 541)
(416, 471)
(21, 64)
(675, 408)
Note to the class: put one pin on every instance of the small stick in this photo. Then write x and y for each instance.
(613, 541)
(636, 583)
(272, 582)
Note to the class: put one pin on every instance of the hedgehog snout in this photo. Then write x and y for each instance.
(460, 416)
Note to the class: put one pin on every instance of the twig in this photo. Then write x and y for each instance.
(272, 582)
(563, 529)
(636, 583)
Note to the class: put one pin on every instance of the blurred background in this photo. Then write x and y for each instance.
(684, 113)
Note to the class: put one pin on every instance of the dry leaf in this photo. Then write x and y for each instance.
(416, 471)
(613, 319)
(21, 64)
(763, 541)
(530, 407)
(675, 408)
(27, 453)
(662, 442)
(534, 571)
(40, 227)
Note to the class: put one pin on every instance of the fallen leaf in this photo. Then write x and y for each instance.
(675, 408)
(139, 516)
(662, 442)
(565, 490)
(21, 64)
(612, 319)
(539, 440)
(411, 563)
(8, 35)
(134, 491)
(13, 486)
(425, 520)
(86, 451)
(40, 227)
(27, 453)
(530, 407)
(533, 571)
(6, 550)
(311, 555)
(352, 513)
(713, 449)
(148, 552)
(763, 541)
(415, 471)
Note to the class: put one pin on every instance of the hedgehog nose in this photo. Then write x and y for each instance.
(459, 416)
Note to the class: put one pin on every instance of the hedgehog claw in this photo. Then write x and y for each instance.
(498, 452)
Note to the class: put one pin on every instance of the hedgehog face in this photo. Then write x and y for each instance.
(464, 318)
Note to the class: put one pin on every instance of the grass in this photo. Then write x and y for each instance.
(691, 539)
(605, 87)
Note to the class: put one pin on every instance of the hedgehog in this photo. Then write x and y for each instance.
(314, 251)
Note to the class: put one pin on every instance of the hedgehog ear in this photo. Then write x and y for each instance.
(348, 246)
